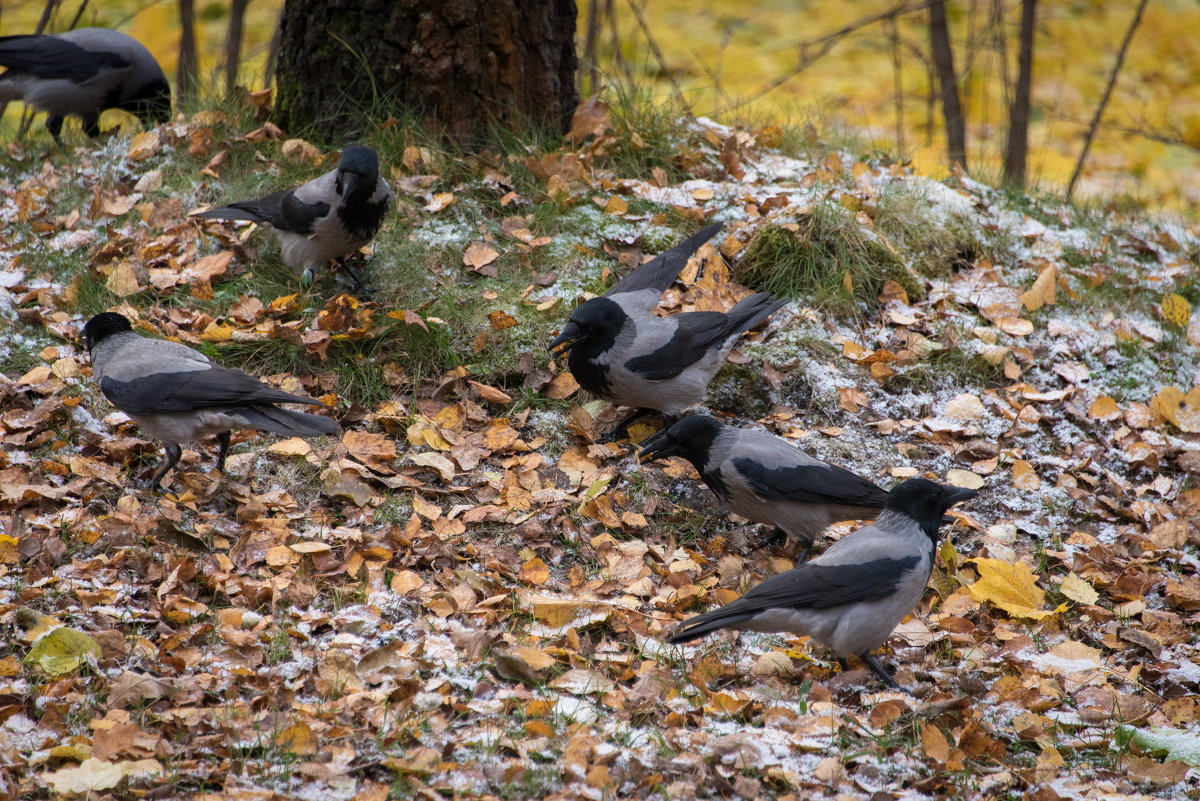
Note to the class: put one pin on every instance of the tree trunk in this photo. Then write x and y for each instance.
(1016, 154)
(185, 77)
(461, 66)
(233, 44)
(943, 62)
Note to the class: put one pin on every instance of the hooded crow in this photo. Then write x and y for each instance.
(767, 479)
(177, 395)
(851, 597)
(621, 351)
(324, 219)
(83, 72)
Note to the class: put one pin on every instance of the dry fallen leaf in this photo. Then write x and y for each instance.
(1011, 587)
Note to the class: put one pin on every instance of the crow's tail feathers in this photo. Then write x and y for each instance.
(661, 271)
(236, 211)
(286, 423)
(727, 616)
(751, 311)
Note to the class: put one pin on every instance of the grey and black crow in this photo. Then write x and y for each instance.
(82, 72)
(767, 479)
(324, 219)
(621, 351)
(177, 395)
(851, 597)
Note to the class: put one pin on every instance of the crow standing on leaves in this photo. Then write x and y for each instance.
(766, 479)
(621, 351)
(177, 395)
(324, 219)
(81, 73)
(851, 597)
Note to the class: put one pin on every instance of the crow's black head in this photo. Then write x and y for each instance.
(692, 438)
(151, 103)
(926, 502)
(358, 171)
(593, 327)
(102, 326)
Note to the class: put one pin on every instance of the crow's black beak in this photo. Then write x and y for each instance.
(658, 446)
(953, 495)
(351, 181)
(566, 338)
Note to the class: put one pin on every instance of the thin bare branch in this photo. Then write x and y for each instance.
(823, 45)
(1108, 90)
(658, 56)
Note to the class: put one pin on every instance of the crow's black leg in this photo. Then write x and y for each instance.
(171, 454)
(91, 127)
(843, 664)
(54, 126)
(874, 665)
(361, 288)
(223, 439)
(622, 428)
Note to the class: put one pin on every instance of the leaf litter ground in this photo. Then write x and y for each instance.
(464, 596)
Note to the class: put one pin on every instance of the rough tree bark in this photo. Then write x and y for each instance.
(460, 65)
(943, 62)
(1016, 154)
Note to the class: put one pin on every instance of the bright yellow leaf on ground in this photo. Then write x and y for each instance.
(1010, 587)
(1176, 310)
(1078, 590)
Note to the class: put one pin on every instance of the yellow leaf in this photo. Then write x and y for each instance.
(440, 201)
(536, 658)
(534, 571)
(616, 205)
(217, 332)
(62, 651)
(1078, 590)
(406, 581)
(501, 320)
(1010, 587)
(427, 510)
(297, 739)
(934, 743)
(554, 612)
(37, 375)
(143, 146)
(299, 150)
(123, 281)
(963, 478)
(1104, 408)
(1176, 310)
(294, 446)
(1016, 326)
(1165, 404)
(479, 255)
(1024, 477)
(1043, 289)
(98, 774)
(310, 547)
(965, 407)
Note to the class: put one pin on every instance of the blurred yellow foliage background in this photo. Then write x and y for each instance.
(718, 57)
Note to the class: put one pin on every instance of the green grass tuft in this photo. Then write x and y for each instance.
(810, 264)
